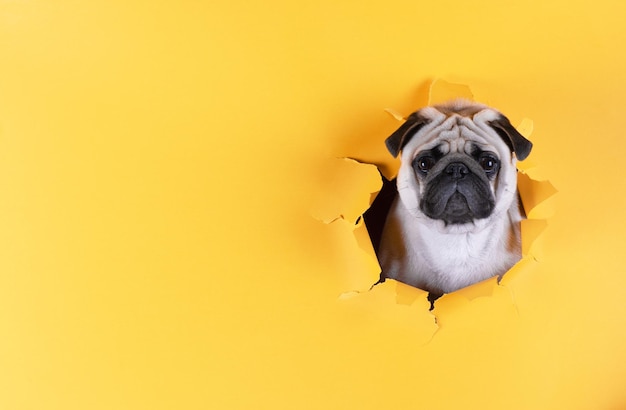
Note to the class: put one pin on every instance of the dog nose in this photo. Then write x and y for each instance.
(456, 170)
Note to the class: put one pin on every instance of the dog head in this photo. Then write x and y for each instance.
(458, 164)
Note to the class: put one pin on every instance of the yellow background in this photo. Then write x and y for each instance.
(158, 165)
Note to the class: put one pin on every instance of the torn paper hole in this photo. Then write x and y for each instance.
(534, 191)
(357, 189)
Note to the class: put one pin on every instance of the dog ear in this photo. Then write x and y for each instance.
(402, 135)
(515, 141)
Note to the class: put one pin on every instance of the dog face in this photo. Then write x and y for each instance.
(455, 220)
(458, 165)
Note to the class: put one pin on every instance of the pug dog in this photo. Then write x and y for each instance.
(455, 220)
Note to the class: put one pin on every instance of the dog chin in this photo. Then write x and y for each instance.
(447, 227)
(458, 220)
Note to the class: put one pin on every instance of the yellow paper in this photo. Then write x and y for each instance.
(160, 163)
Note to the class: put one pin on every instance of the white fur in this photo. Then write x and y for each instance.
(426, 253)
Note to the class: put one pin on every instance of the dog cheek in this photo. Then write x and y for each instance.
(483, 208)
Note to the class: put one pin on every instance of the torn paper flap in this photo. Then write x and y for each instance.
(533, 194)
(531, 229)
(380, 304)
(346, 190)
(442, 91)
(395, 114)
(359, 268)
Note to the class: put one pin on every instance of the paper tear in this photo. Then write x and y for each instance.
(363, 238)
(535, 193)
(407, 295)
(354, 189)
(441, 91)
(359, 268)
(454, 311)
(381, 302)
(395, 114)
(531, 237)
(345, 191)
(523, 266)
(478, 290)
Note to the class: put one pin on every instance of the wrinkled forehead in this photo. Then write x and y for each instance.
(450, 133)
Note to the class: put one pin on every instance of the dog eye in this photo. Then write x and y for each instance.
(489, 163)
(425, 163)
